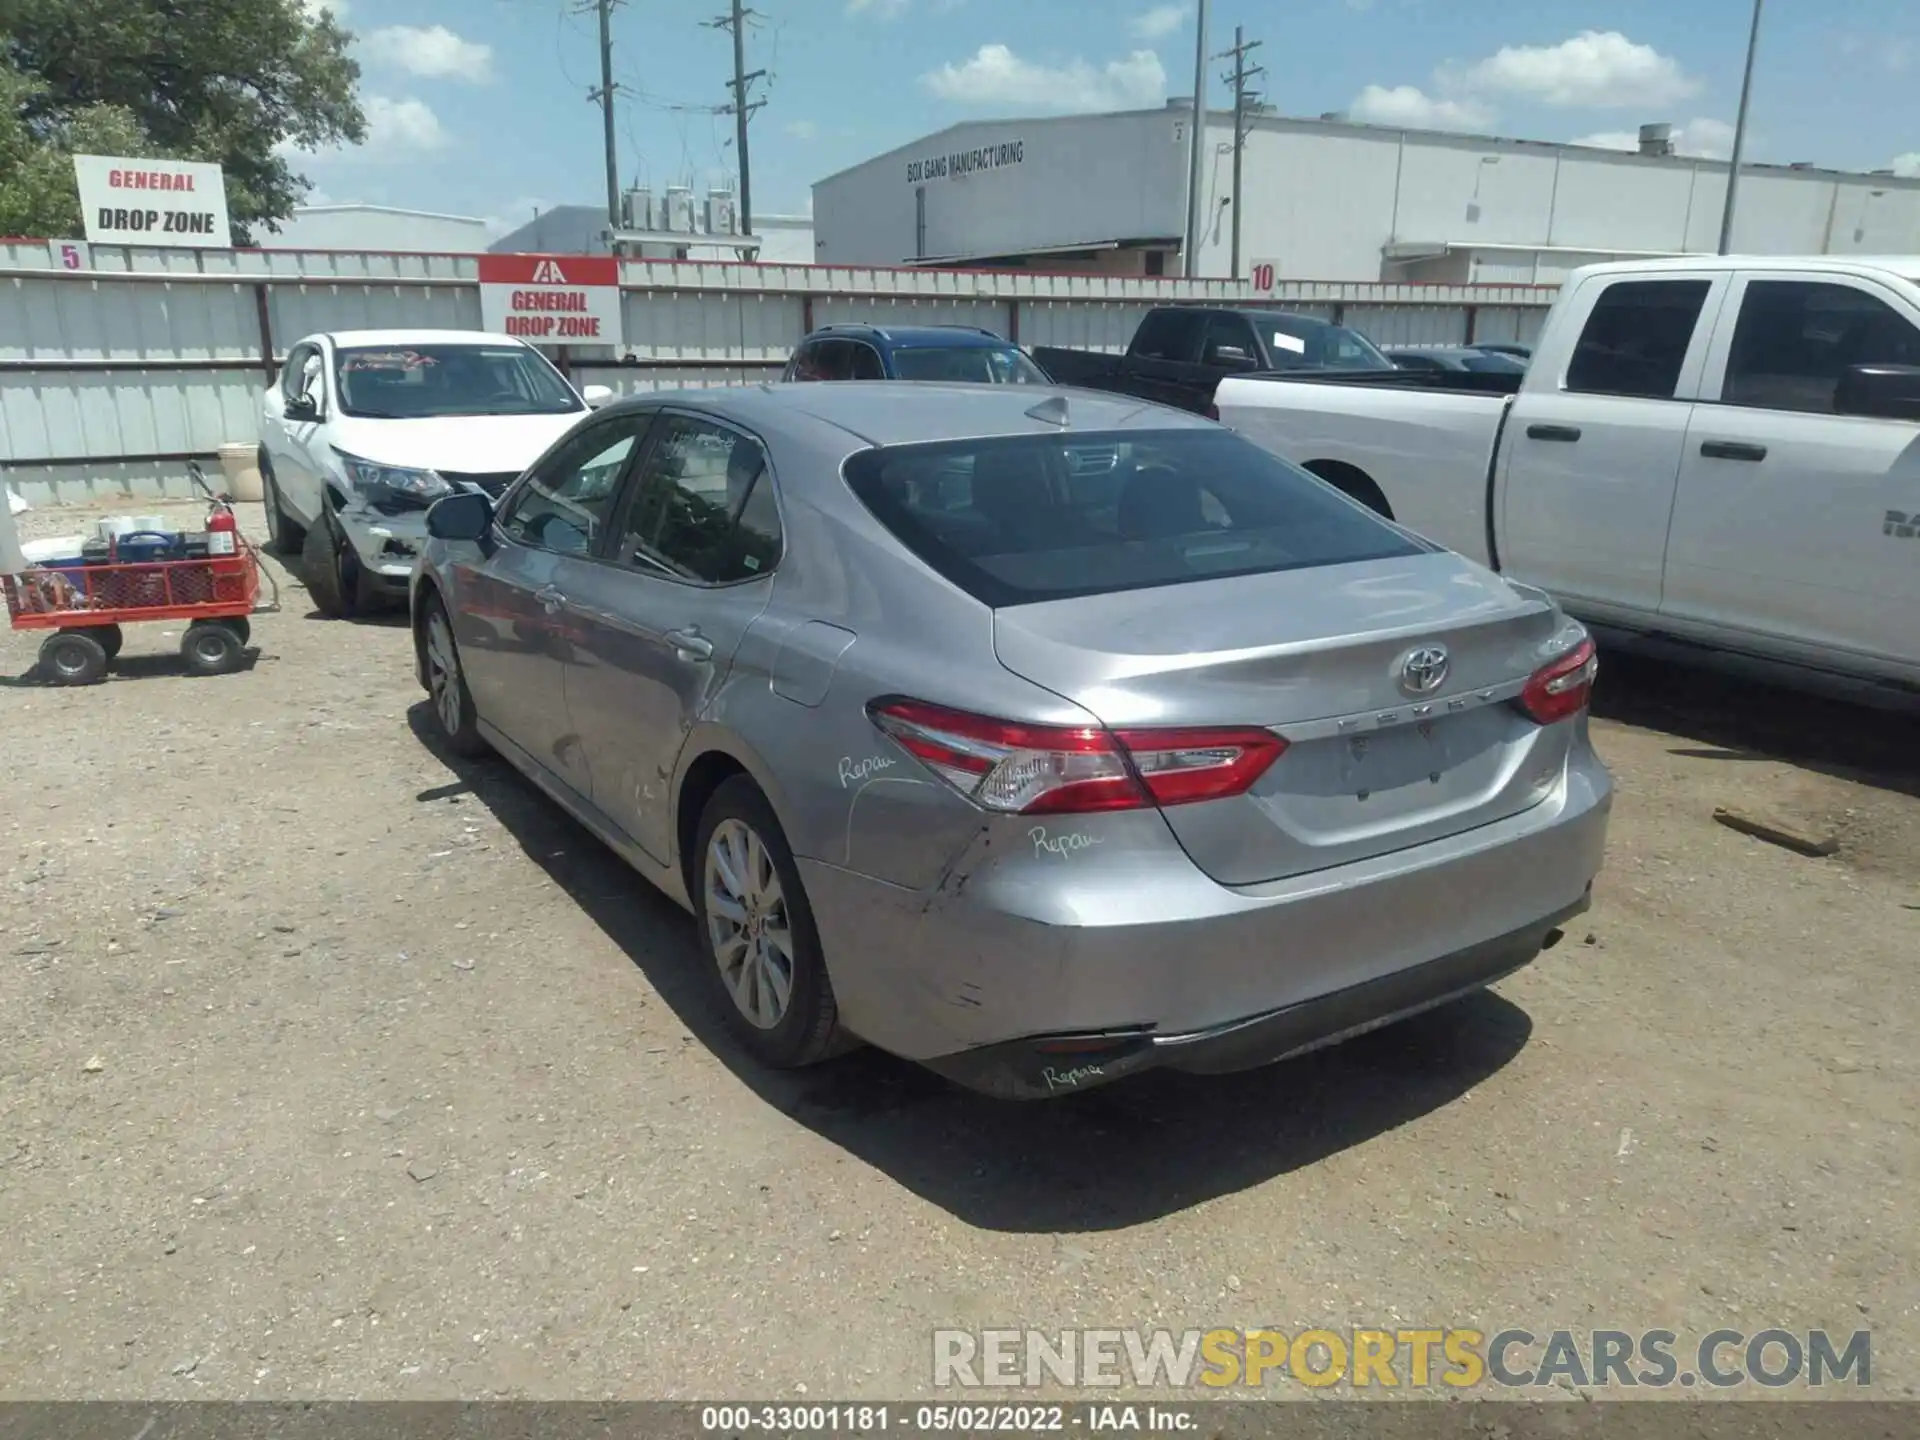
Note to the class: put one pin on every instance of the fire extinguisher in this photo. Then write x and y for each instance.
(223, 542)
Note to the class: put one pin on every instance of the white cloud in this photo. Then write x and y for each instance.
(1410, 105)
(802, 129)
(434, 52)
(405, 124)
(879, 9)
(1907, 164)
(316, 8)
(1595, 69)
(996, 76)
(1701, 136)
(396, 129)
(1157, 23)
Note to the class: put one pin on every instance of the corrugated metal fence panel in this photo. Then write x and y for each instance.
(1409, 324)
(181, 331)
(633, 380)
(125, 412)
(1506, 322)
(704, 325)
(306, 309)
(126, 320)
(1079, 326)
(911, 310)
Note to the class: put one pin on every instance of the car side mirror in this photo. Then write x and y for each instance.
(1885, 392)
(597, 395)
(302, 407)
(1232, 357)
(465, 516)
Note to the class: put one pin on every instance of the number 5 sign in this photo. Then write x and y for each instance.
(69, 254)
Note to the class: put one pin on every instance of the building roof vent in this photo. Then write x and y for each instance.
(1656, 139)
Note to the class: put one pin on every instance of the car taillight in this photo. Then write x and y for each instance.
(1026, 769)
(1561, 687)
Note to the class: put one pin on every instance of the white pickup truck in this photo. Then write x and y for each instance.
(1717, 450)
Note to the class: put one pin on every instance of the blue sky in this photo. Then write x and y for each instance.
(478, 107)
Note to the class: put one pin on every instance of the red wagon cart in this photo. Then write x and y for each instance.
(83, 603)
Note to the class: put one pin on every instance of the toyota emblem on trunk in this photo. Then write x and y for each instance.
(1424, 670)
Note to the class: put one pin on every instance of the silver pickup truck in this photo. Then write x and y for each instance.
(1723, 451)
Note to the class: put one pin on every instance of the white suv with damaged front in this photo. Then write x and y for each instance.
(365, 429)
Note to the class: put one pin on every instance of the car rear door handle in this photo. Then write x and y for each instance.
(1732, 450)
(690, 644)
(550, 599)
(1566, 433)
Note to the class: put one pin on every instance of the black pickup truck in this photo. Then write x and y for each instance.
(1180, 353)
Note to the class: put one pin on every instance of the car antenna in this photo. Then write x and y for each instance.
(1052, 410)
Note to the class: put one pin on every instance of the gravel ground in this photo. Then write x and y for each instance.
(329, 1067)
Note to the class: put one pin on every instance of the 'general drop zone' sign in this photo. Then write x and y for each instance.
(152, 202)
(552, 299)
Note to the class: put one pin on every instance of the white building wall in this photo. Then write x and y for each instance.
(376, 227)
(1078, 179)
(785, 239)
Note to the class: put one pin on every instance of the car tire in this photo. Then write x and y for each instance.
(453, 708)
(331, 570)
(778, 1003)
(284, 535)
(212, 647)
(73, 657)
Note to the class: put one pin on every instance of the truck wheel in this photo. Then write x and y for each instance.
(73, 657)
(212, 647)
(331, 569)
(284, 535)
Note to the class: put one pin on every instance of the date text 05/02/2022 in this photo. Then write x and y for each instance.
(947, 1418)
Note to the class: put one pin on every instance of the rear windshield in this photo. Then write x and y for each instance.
(1019, 519)
(967, 364)
(1494, 362)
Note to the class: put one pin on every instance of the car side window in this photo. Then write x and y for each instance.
(1636, 339)
(564, 504)
(1168, 335)
(806, 362)
(1795, 339)
(1233, 332)
(866, 363)
(293, 373)
(833, 360)
(702, 507)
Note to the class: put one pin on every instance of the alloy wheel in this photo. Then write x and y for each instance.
(747, 923)
(443, 673)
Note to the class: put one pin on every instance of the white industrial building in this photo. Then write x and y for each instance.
(670, 226)
(378, 227)
(1328, 199)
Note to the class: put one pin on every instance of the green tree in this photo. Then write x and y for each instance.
(238, 82)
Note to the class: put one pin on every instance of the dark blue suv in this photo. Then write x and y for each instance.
(952, 353)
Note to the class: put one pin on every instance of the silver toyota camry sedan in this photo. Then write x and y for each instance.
(1038, 736)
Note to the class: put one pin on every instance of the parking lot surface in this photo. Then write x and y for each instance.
(330, 1066)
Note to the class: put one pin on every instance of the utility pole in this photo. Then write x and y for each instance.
(605, 96)
(1196, 144)
(1739, 135)
(740, 109)
(1241, 74)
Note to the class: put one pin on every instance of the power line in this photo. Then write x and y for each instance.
(741, 109)
(1240, 77)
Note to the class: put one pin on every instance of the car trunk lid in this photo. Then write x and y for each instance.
(1331, 658)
